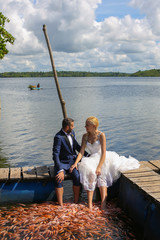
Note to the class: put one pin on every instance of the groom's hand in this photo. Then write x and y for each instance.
(60, 176)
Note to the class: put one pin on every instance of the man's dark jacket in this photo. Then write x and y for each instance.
(63, 154)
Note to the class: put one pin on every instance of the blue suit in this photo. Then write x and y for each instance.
(64, 155)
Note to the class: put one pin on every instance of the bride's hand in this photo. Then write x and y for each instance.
(72, 167)
(98, 171)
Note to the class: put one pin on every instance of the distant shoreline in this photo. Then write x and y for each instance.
(146, 73)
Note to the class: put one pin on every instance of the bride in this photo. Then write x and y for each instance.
(102, 167)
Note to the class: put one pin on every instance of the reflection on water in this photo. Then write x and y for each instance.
(3, 159)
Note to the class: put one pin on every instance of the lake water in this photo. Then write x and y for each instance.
(128, 110)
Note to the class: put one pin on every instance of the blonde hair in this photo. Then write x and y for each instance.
(93, 120)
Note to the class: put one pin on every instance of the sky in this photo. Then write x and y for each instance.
(85, 35)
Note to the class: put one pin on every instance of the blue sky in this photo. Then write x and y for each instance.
(116, 8)
(85, 35)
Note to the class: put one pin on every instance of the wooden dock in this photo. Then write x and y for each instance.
(139, 196)
(27, 173)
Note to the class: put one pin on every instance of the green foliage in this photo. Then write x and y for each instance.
(63, 74)
(90, 74)
(4, 36)
(147, 73)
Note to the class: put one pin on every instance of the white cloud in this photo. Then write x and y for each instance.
(152, 11)
(79, 42)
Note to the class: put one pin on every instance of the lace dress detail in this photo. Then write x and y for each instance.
(111, 169)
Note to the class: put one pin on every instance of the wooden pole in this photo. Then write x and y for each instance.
(55, 73)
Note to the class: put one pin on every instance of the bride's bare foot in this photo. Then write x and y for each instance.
(90, 206)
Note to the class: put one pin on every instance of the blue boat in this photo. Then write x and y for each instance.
(35, 88)
(27, 184)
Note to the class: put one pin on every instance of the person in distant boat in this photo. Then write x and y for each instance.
(102, 167)
(64, 155)
(38, 85)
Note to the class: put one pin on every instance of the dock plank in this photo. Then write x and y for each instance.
(139, 174)
(148, 183)
(142, 168)
(4, 174)
(28, 173)
(151, 189)
(150, 165)
(155, 195)
(156, 163)
(144, 178)
(147, 178)
(42, 172)
(15, 173)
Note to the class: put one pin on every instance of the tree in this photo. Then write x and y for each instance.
(4, 36)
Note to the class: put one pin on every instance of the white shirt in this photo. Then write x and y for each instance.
(71, 142)
(69, 138)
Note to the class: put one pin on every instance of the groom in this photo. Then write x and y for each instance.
(64, 155)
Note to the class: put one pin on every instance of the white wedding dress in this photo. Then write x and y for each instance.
(111, 169)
